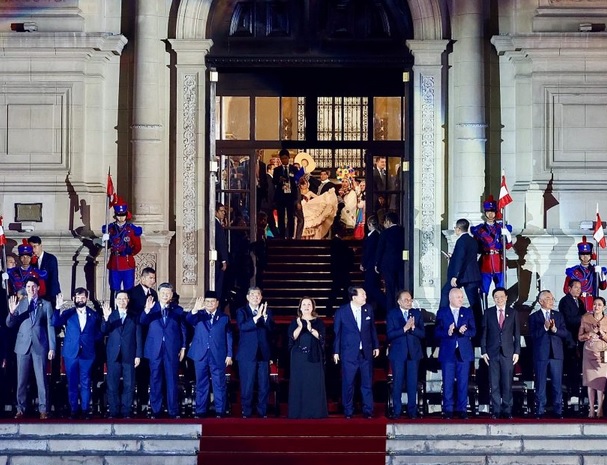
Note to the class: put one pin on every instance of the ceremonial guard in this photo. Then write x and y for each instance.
(591, 279)
(125, 242)
(489, 237)
(19, 274)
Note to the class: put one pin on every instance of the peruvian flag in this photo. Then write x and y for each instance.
(2, 236)
(599, 235)
(505, 198)
(111, 192)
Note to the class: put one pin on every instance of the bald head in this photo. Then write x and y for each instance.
(456, 298)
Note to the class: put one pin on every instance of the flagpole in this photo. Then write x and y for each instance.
(503, 239)
(105, 245)
(4, 265)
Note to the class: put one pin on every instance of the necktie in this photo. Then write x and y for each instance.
(405, 315)
(211, 319)
(164, 314)
(500, 318)
(254, 312)
(33, 310)
(548, 314)
(122, 317)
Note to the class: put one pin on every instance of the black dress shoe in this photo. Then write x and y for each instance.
(245, 416)
(463, 416)
(508, 416)
(495, 417)
(368, 416)
(539, 416)
(348, 417)
(447, 415)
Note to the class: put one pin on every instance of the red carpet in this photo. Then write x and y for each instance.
(280, 441)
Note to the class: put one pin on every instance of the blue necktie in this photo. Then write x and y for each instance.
(33, 310)
(164, 315)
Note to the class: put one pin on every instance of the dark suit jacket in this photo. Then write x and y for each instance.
(279, 177)
(544, 340)
(463, 264)
(496, 341)
(137, 299)
(326, 187)
(348, 337)
(448, 344)
(50, 265)
(370, 250)
(124, 342)
(572, 313)
(379, 184)
(216, 337)
(173, 333)
(78, 343)
(405, 346)
(221, 242)
(253, 337)
(39, 336)
(389, 254)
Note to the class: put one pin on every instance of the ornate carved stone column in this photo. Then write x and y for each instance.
(467, 154)
(428, 163)
(191, 186)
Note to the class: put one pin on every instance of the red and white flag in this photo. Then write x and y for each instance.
(599, 234)
(2, 236)
(504, 198)
(111, 192)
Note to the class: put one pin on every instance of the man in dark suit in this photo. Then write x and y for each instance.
(548, 332)
(405, 331)
(372, 284)
(138, 296)
(355, 345)
(82, 332)
(255, 325)
(124, 349)
(221, 246)
(572, 308)
(211, 351)
(463, 269)
(285, 195)
(47, 262)
(500, 349)
(389, 256)
(164, 348)
(35, 344)
(324, 185)
(455, 328)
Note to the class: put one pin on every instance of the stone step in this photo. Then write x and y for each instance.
(88, 442)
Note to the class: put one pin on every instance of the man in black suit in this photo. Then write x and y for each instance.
(285, 195)
(367, 265)
(124, 349)
(463, 269)
(572, 308)
(221, 246)
(389, 257)
(380, 183)
(548, 333)
(325, 185)
(138, 296)
(500, 349)
(47, 262)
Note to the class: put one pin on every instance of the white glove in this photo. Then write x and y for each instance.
(4, 276)
(508, 234)
(106, 237)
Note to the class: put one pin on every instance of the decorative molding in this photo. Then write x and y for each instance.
(428, 183)
(189, 248)
(145, 260)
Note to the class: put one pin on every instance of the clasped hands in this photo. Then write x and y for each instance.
(462, 329)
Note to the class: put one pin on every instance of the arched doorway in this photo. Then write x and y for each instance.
(328, 79)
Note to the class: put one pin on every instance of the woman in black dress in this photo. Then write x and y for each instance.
(307, 392)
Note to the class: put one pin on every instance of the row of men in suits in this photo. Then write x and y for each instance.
(157, 335)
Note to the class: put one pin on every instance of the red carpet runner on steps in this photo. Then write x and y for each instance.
(279, 441)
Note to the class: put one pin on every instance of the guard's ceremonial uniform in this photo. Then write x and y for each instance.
(19, 274)
(489, 238)
(124, 243)
(590, 279)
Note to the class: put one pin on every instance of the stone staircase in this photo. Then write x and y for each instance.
(482, 442)
(97, 443)
(298, 267)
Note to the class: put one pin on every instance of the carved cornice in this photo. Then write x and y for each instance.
(428, 180)
(189, 260)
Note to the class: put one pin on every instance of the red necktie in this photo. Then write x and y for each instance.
(500, 318)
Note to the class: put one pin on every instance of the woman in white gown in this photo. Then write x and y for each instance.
(318, 211)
